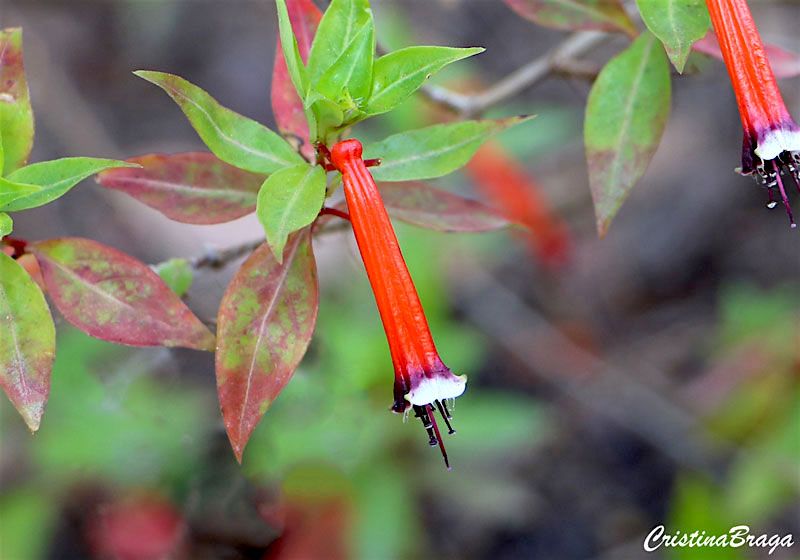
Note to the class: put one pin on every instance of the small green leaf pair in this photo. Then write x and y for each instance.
(342, 83)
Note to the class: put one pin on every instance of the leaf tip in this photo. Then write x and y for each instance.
(32, 414)
(236, 438)
(149, 75)
(277, 250)
(208, 342)
(602, 226)
(33, 424)
(237, 451)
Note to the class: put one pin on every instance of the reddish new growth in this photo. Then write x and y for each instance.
(771, 143)
(422, 381)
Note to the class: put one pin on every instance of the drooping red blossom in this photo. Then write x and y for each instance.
(422, 381)
(771, 145)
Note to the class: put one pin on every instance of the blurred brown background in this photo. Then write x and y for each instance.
(651, 380)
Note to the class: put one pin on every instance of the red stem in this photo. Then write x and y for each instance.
(335, 212)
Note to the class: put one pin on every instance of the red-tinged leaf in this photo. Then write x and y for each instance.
(265, 323)
(602, 15)
(286, 104)
(507, 184)
(625, 117)
(16, 113)
(112, 296)
(420, 204)
(193, 188)
(27, 342)
(785, 64)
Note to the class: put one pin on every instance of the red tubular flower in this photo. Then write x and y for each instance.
(771, 143)
(422, 381)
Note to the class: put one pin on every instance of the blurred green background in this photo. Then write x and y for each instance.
(654, 379)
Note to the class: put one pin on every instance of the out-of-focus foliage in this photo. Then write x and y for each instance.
(758, 414)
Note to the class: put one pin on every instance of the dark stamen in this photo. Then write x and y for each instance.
(438, 435)
(428, 416)
(795, 174)
(445, 415)
(421, 412)
(783, 193)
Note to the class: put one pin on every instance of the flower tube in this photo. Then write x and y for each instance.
(422, 381)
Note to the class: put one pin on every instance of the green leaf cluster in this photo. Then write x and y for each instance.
(341, 84)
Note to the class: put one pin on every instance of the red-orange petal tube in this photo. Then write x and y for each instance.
(420, 376)
(771, 142)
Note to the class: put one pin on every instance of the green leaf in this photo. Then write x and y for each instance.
(341, 25)
(56, 177)
(265, 323)
(234, 138)
(625, 116)
(291, 52)
(289, 200)
(2, 152)
(16, 113)
(27, 342)
(352, 72)
(11, 191)
(176, 273)
(433, 151)
(574, 15)
(112, 296)
(677, 24)
(6, 224)
(397, 75)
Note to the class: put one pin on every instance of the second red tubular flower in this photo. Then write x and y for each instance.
(771, 138)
